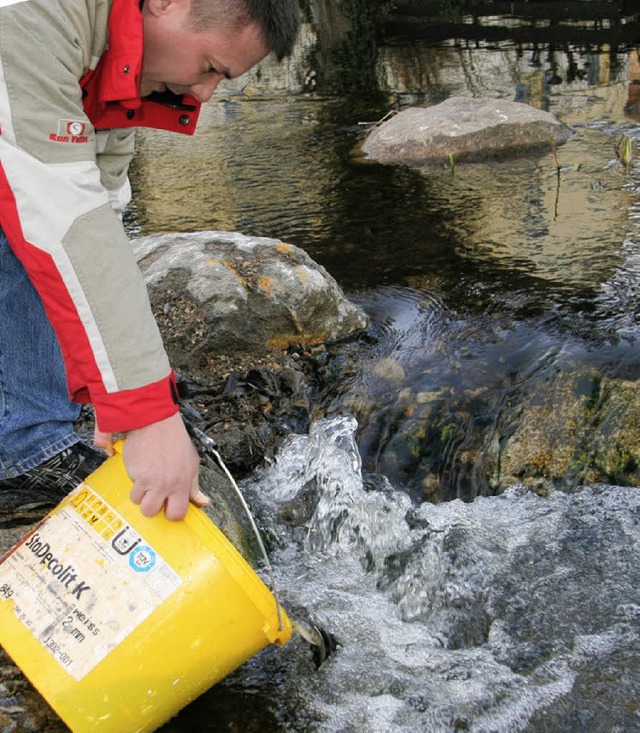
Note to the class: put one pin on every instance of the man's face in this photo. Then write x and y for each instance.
(187, 61)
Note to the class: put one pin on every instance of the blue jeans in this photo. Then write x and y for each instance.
(36, 414)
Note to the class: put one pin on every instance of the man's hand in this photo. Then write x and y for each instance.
(163, 464)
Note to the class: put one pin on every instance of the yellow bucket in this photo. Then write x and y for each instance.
(120, 620)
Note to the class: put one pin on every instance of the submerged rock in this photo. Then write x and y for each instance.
(251, 294)
(558, 428)
(464, 129)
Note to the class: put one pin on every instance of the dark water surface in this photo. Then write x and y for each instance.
(282, 167)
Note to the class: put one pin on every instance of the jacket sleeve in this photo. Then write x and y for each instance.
(115, 150)
(56, 211)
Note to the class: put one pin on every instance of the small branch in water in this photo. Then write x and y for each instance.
(389, 114)
(554, 150)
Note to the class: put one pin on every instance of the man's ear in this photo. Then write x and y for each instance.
(158, 8)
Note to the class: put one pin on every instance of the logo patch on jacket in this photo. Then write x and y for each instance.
(70, 131)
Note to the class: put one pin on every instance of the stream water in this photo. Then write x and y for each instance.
(510, 613)
(515, 612)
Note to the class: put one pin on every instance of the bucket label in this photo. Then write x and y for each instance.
(83, 580)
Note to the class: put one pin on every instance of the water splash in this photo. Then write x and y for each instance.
(510, 613)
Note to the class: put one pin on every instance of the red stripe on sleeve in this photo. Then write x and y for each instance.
(116, 411)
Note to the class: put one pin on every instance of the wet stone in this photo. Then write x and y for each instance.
(223, 284)
(462, 128)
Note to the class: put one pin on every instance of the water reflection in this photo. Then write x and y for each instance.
(572, 84)
(279, 165)
(254, 166)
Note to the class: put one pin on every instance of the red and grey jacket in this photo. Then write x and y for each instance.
(69, 80)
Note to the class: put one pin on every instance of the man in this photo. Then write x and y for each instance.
(76, 324)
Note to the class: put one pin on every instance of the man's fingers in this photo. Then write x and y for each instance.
(103, 440)
(137, 493)
(196, 496)
(200, 499)
(163, 463)
(150, 502)
(175, 507)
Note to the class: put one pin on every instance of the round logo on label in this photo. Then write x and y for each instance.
(75, 128)
(142, 559)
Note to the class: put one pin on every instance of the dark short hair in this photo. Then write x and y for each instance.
(278, 20)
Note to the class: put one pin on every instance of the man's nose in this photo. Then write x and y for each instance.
(204, 91)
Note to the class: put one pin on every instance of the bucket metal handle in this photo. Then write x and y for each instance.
(210, 446)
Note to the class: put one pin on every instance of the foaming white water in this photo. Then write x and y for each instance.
(511, 613)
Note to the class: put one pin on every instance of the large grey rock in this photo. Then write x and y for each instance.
(465, 128)
(244, 293)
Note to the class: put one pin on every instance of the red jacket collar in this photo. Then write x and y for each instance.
(111, 91)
